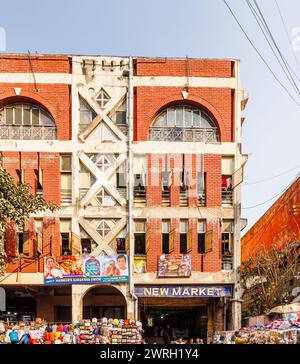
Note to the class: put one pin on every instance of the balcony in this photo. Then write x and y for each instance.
(201, 199)
(183, 202)
(174, 134)
(227, 262)
(66, 197)
(166, 198)
(139, 196)
(30, 132)
(227, 197)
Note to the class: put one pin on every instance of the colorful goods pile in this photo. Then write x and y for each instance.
(103, 331)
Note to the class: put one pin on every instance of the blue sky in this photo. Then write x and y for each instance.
(176, 28)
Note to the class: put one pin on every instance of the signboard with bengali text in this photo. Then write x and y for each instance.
(86, 269)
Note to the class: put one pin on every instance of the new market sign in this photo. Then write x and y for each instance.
(183, 291)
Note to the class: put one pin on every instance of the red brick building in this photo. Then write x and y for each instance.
(280, 225)
(142, 151)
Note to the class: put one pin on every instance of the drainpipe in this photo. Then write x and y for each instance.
(130, 184)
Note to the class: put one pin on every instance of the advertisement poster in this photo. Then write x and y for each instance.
(87, 269)
(174, 265)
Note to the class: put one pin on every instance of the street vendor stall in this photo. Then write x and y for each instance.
(102, 331)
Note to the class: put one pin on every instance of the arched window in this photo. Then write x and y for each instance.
(185, 124)
(26, 121)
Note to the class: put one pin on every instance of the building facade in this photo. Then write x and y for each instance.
(143, 156)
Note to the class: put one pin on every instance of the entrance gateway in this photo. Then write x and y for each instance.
(190, 311)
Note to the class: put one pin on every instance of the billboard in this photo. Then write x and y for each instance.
(86, 269)
(174, 265)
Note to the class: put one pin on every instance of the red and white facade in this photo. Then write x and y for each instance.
(144, 150)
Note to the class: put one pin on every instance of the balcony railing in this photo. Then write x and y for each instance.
(139, 197)
(227, 197)
(66, 197)
(174, 134)
(183, 202)
(227, 262)
(201, 200)
(30, 132)
(165, 197)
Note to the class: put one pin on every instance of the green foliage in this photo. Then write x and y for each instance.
(17, 202)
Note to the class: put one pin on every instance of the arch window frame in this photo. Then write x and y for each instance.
(184, 116)
(28, 114)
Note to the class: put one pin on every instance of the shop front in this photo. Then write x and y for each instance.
(189, 311)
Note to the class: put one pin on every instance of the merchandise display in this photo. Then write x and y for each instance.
(276, 332)
(103, 331)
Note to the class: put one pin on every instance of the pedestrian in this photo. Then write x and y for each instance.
(191, 341)
(199, 341)
(14, 337)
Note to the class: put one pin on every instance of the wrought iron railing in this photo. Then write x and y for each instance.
(227, 197)
(183, 202)
(165, 197)
(66, 197)
(30, 132)
(201, 200)
(184, 134)
(227, 262)
(139, 196)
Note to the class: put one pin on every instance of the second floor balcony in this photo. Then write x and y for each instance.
(175, 134)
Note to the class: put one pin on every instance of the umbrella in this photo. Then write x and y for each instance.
(294, 307)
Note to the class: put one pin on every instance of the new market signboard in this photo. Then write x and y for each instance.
(86, 269)
(174, 265)
(183, 291)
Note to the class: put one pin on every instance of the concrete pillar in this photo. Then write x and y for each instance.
(131, 309)
(77, 302)
(236, 309)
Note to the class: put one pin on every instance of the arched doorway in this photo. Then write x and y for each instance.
(104, 301)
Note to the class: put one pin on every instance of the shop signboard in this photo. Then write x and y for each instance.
(174, 265)
(184, 291)
(86, 269)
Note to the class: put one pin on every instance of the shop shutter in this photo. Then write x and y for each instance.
(172, 241)
(26, 242)
(189, 241)
(208, 241)
(76, 244)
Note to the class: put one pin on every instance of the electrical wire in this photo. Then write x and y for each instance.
(270, 178)
(272, 198)
(260, 55)
(287, 33)
(286, 68)
(286, 64)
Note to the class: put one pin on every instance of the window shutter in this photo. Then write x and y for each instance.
(39, 242)
(26, 242)
(76, 244)
(147, 244)
(189, 241)
(172, 241)
(208, 241)
(127, 243)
